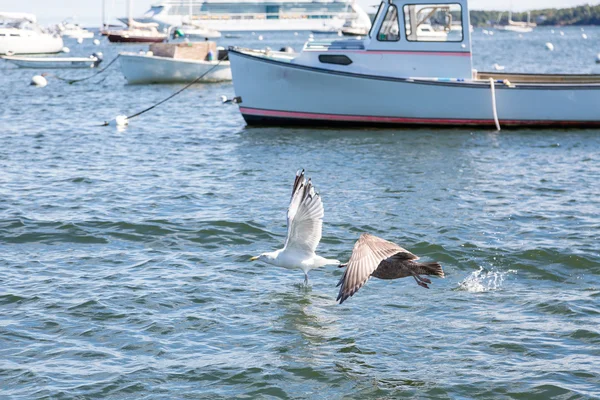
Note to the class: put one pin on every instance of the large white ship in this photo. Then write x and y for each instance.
(252, 15)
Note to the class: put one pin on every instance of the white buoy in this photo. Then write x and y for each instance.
(38, 81)
(295, 33)
(485, 32)
(253, 33)
(552, 31)
(80, 40)
(584, 36)
(260, 37)
(491, 33)
(550, 46)
(65, 49)
(96, 42)
(562, 33)
(498, 67)
(119, 121)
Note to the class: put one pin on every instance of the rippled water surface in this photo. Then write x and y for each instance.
(124, 267)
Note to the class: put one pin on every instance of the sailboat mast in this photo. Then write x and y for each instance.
(129, 11)
(103, 25)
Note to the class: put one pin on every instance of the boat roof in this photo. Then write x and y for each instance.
(18, 16)
(187, 2)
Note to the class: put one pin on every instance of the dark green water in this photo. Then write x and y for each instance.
(124, 266)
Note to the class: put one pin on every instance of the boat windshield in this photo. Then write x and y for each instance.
(433, 22)
(376, 16)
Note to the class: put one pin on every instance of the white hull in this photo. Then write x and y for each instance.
(30, 42)
(78, 34)
(151, 69)
(52, 62)
(280, 92)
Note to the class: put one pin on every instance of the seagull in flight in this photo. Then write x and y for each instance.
(305, 223)
(375, 257)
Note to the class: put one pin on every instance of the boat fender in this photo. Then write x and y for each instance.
(494, 110)
(550, 46)
(79, 40)
(65, 49)
(96, 42)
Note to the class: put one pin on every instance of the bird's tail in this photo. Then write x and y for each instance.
(431, 268)
(322, 261)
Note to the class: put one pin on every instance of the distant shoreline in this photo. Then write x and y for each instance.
(573, 16)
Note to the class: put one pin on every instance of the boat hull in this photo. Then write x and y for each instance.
(281, 93)
(141, 69)
(30, 43)
(52, 62)
(134, 39)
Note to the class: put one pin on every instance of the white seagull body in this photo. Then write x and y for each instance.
(305, 225)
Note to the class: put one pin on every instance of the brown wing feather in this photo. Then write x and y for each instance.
(368, 252)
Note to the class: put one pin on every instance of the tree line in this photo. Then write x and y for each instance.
(582, 15)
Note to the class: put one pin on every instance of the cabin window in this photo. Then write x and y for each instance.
(390, 29)
(433, 22)
(335, 59)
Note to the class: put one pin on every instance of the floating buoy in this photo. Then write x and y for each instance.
(552, 31)
(79, 40)
(550, 46)
(65, 49)
(96, 42)
(295, 33)
(491, 33)
(38, 81)
(260, 37)
(120, 120)
(562, 33)
(584, 36)
(498, 67)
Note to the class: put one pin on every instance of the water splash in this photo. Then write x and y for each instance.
(484, 281)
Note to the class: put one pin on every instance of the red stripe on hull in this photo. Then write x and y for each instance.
(256, 115)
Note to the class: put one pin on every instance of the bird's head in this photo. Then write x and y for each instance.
(269, 258)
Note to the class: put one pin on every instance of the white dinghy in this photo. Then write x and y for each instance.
(55, 62)
(176, 63)
(414, 67)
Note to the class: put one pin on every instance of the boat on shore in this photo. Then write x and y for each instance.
(176, 63)
(55, 62)
(395, 76)
(20, 34)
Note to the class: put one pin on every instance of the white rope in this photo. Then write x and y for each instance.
(495, 112)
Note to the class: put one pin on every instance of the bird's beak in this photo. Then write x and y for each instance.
(254, 258)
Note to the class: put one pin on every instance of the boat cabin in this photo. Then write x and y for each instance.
(418, 38)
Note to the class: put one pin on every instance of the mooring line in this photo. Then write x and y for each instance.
(174, 94)
(72, 81)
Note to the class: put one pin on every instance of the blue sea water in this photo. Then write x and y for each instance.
(124, 253)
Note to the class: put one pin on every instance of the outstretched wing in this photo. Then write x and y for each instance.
(305, 216)
(368, 252)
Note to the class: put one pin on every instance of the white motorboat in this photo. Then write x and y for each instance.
(259, 15)
(20, 34)
(193, 30)
(393, 76)
(176, 63)
(55, 62)
(515, 26)
(74, 31)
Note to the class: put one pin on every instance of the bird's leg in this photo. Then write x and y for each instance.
(419, 282)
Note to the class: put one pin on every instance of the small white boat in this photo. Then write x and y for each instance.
(20, 34)
(515, 26)
(55, 62)
(176, 63)
(195, 31)
(396, 76)
(74, 31)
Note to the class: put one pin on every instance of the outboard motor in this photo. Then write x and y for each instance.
(99, 57)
